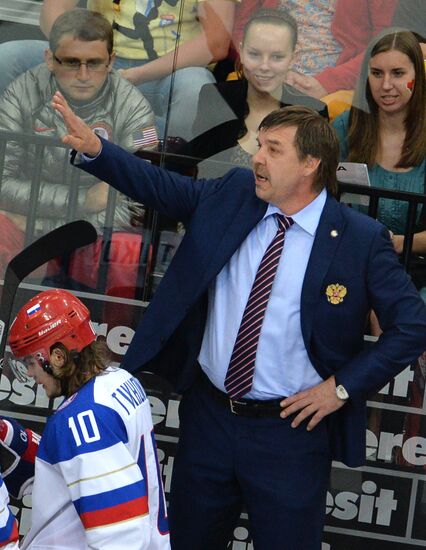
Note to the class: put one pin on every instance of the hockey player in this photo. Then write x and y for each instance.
(97, 481)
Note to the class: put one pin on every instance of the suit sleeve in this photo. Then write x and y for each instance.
(402, 316)
(171, 194)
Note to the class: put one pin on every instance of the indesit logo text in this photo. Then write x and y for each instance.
(374, 506)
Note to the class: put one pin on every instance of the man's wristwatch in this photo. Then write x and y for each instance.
(341, 393)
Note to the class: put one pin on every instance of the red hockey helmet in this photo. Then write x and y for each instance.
(48, 318)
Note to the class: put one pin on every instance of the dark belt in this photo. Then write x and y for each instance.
(244, 407)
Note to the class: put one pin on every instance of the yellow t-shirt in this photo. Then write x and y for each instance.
(144, 31)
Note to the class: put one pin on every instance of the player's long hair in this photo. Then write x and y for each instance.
(81, 367)
(363, 132)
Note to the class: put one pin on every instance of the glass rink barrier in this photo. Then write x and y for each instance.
(381, 504)
(188, 85)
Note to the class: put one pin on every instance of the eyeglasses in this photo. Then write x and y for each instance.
(74, 65)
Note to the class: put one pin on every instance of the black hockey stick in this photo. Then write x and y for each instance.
(60, 241)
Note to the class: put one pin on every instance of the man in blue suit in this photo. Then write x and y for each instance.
(304, 395)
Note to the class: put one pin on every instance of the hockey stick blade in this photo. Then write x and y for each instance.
(60, 241)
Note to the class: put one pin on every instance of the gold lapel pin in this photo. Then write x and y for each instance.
(333, 233)
(336, 293)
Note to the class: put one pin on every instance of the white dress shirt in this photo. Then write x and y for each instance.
(282, 365)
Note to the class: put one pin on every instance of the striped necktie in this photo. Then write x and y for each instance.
(239, 378)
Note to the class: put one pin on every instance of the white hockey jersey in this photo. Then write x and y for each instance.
(8, 526)
(97, 480)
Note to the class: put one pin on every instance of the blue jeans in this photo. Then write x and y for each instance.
(18, 56)
(174, 98)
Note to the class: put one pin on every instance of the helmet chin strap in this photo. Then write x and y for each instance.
(48, 369)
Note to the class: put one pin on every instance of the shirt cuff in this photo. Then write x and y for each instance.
(82, 158)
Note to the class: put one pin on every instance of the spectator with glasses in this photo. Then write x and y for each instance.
(163, 47)
(79, 63)
(74, 65)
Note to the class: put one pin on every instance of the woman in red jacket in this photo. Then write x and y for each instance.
(354, 25)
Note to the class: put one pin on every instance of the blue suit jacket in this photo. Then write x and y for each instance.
(349, 249)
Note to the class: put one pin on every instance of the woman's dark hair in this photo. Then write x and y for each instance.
(82, 25)
(363, 132)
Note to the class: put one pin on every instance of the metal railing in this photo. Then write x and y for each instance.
(375, 194)
(71, 178)
(159, 244)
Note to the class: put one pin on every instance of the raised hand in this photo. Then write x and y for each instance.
(80, 137)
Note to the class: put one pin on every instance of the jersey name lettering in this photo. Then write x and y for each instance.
(130, 393)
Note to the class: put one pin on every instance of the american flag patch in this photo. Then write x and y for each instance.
(33, 309)
(147, 137)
